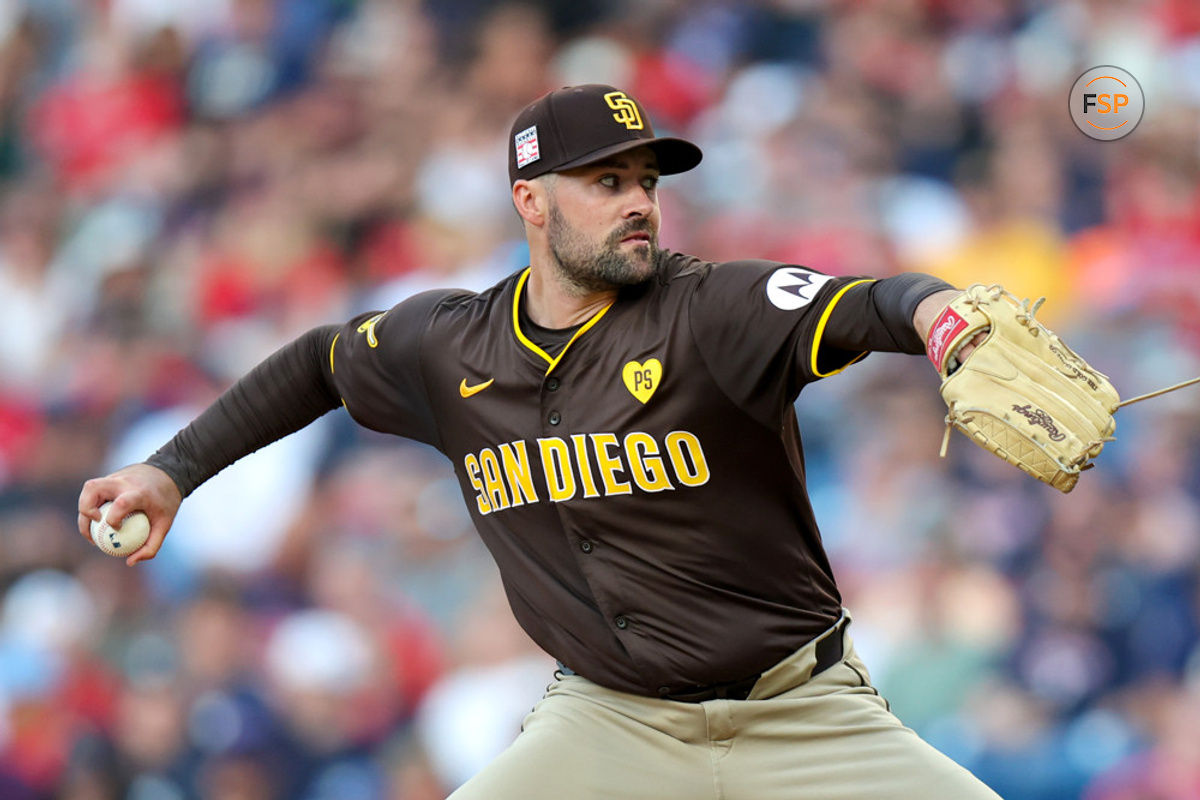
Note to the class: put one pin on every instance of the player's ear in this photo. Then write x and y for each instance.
(530, 199)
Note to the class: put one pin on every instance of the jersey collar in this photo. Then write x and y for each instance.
(551, 363)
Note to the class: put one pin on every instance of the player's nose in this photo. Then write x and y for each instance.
(639, 203)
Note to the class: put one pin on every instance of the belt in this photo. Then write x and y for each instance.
(828, 651)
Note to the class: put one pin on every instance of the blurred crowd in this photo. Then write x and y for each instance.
(186, 185)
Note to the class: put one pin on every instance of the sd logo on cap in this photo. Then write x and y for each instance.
(576, 125)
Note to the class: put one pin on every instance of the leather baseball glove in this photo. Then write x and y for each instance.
(1022, 393)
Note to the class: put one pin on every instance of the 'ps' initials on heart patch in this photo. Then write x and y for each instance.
(642, 379)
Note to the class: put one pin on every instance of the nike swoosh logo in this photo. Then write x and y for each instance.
(468, 391)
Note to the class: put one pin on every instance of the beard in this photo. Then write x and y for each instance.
(591, 267)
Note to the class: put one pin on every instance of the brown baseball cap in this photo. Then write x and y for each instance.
(576, 125)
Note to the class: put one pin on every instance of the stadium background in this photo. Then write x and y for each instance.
(187, 184)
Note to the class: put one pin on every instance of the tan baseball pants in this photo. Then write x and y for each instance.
(828, 738)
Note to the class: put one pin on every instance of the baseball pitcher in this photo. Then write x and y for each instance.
(620, 419)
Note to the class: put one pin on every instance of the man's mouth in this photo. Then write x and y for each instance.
(637, 237)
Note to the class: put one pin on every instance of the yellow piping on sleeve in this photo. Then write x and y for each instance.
(332, 345)
(816, 345)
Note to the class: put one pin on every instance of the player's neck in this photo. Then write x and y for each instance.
(552, 304)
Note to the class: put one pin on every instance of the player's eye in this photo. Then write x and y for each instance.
(650, 183)
(609, 181)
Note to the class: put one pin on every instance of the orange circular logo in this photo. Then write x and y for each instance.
(1106, 103)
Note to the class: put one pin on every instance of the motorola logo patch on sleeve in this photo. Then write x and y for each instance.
(792, 288)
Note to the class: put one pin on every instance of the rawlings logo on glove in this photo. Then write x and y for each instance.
(947, 328)
(1021, 393)
(1038, 417)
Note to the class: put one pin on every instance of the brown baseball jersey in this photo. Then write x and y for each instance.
(642, 489)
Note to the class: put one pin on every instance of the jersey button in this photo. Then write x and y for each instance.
(552, 384)
(621, 622)
(585, 547)
(554, 418)
(664, 690)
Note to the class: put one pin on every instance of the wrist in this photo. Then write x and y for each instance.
(938, 324)
(929, 309)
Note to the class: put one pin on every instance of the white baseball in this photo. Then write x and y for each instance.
(122, 541)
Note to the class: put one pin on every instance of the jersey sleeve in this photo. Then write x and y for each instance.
(759, 326)
(281, 395)
(878, 315)
(375, 366)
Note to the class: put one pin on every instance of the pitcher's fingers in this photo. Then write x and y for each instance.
(85, 526)
(970, 346)
(123, 505)
(158, 532)
(92, 496)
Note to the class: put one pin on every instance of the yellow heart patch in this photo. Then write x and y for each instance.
(642, 379)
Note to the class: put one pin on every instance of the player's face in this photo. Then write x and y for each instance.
(603, 221)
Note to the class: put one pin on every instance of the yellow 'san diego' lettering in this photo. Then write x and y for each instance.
(600, 464)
